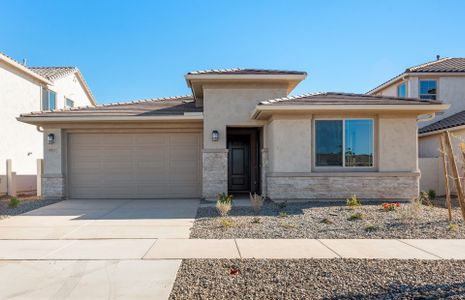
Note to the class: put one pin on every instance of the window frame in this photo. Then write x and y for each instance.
(437, 88)
(398, 86)
(343, 167)
(66, 102)
(47, 100)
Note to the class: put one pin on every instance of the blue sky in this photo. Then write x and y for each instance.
(141, 49)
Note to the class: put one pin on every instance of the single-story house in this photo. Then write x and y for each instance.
(240, 131)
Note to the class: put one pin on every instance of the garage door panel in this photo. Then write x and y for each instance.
(149, 165)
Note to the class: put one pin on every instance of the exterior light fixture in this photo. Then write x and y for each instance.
(215, 135)
(51, 138)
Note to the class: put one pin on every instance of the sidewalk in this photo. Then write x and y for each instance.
(156, 249)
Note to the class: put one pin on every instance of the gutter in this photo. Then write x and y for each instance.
(62, 119)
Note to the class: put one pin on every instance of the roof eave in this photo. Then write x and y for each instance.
(24, 69)
(260, 110)
(42, 120)
(439, 131)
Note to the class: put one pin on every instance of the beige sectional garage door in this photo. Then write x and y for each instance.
(134, 165)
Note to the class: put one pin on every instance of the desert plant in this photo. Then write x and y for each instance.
(226, 223)
(356, 216)
(411, 211)
(327, 221)
(453, 227)
(14, 202)
(425, 199)
(371, 227)
(223, 208)
(287, 225)
(353, 202)
(432, 194)
(224, 198)
(257, 202)
(282, 214)
(256, 220)
(391, 206)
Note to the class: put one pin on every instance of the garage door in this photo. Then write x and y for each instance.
(139, 165)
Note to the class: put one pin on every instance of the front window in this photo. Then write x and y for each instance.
(69, 102)
(48, 100)
(402, 90)
(344, 143)
(428, 89)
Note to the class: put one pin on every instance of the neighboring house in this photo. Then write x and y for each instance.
(25, 89)
(444, 80)
(240, 132)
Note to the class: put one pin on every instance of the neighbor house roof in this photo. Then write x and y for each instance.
(241, 71)
(157, 107)
(334, 98)
(443, 65)
(450, 122)
(331, 102)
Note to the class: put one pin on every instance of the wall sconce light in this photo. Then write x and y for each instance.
(51, 138)
(215, 135)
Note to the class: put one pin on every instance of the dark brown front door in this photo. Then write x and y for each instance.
(239, 163)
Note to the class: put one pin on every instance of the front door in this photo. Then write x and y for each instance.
(239, 163)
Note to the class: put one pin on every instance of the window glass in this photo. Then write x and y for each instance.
(52, 100)
(401, 90)
(69, 103)
(428, 89)
(328, 142)
(358, 135)
(44, 99)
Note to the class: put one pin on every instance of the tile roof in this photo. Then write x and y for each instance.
(332, 98)
(147, 107)
(240, 71)
(452, 121)
(443, 65)
(448, 64)
(53, 73)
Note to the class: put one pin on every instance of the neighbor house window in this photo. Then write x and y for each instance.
(402, 90)
(428, 89)
(344, 143)
(69, 102)
(49, 100)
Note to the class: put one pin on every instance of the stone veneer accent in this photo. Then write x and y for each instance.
(53, 186)
(215, 172)
(338, 186)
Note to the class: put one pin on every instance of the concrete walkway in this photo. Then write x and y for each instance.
(160, 249)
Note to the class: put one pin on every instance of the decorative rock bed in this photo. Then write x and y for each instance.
(329, 220)
(319, 279)
(23, 207)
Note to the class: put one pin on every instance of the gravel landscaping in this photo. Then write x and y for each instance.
(319, 279)
(329, 220)
(26, 204)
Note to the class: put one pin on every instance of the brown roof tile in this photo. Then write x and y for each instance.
(332, 98)
(239, 71)
(53, 73)
(148, 107)
(452, 121)
(448, 64)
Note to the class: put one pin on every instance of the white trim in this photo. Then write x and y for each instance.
(344, 167)
(24, 69)
(57, 119)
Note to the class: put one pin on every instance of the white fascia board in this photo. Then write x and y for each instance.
(78, 119)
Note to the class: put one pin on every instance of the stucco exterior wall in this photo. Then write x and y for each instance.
(20, 142)
(452, 91)
(70, 87)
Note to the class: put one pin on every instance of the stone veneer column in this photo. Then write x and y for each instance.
(53, 180)
(215, 172)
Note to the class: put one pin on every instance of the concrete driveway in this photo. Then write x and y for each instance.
(92, 249)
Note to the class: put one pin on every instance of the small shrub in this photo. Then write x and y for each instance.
(424, 199)
(224, 204)
(14, 202)
(356, 216)
(282, 214)
(257, 202)
(224, 198)
(327, 221)
(453, 227)
(226, 223)
(371, 228)
(353, 202)
(391, 206)
(411, 211)
(287, 225)
(432, 194)
(256, 220)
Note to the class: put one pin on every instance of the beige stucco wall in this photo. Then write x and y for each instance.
(231, 106)
(70, 87)
(20, 142)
